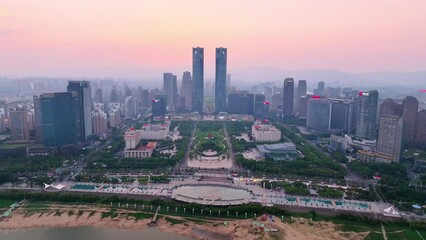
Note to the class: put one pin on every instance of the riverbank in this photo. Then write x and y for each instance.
(71, 216)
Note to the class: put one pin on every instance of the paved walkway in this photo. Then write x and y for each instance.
(385, 237)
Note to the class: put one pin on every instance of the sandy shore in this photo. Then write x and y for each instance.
(238, 229)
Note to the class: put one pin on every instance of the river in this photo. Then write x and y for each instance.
(87, 233)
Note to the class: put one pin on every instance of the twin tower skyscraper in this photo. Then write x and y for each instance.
(198, 80)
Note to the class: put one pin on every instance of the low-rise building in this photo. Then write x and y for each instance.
(154, 131)
(143, 151)
(360, 143)
(278, 152)
(338, 143)
(133, 148)
(265, 132)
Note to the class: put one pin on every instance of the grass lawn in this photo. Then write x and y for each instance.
(407, 234)
(201, 137)
(6, 203)
(351, 226)
(174, 221)
(374, 236)
(12, 146)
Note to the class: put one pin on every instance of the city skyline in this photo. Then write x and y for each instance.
(67, 41)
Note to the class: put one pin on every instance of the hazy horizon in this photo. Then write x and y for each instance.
(134, 39)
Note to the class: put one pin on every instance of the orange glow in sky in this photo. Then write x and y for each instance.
(50, 37)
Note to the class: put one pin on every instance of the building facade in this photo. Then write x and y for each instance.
(18, 122)
(240, 102)
(37, 120)
(100, 122)
(61, 119)
(390, 138)
(265, 132)
(421, 130)
(84, 95)
(261, 107)
(367, 114)
(132, 149)
(186, 90)
(288, 96)
(410, 107)
(158, 106)
(129, 107)
(198, 79)
(341, 115)
(170, 90)
(318, 114)
(154, 131)
(220, 80)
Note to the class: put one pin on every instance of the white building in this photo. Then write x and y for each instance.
(360, 143)
(154, 131)
(338, 143)
(265, 132)
(132, 149)
(141, 151)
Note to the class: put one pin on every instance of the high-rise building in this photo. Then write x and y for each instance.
(198, 79)
(332, 92)
(170, 90)
(301, 88)
(159, 106)
(98, 96)
(60, 119)
(37, 120)
(18, 122)
(390, 138)
(288, 96)
(2, 118)
(100, 122)
(261, 107)
(341, 115)
(114, 115)
(276, 101)
(300, 91)
(390, 107)
(240, 103)
(228, 83)
(114, 95)
(321, 89)
(220, 80)
(186, 91)
(129, 107)
(410, 106)
(268, 93)
(421, 130)
(145, 103)
(349, 92)
(82, 88)
(367, 114)
(303, 106)
(318, 114)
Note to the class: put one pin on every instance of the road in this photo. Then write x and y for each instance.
(351, 176)
(182, 165)
(231, 151)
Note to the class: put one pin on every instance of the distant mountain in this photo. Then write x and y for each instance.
(331, 77)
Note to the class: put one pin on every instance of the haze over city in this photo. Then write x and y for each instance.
(142, 39)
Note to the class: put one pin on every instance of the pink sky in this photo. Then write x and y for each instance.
(50, 37)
